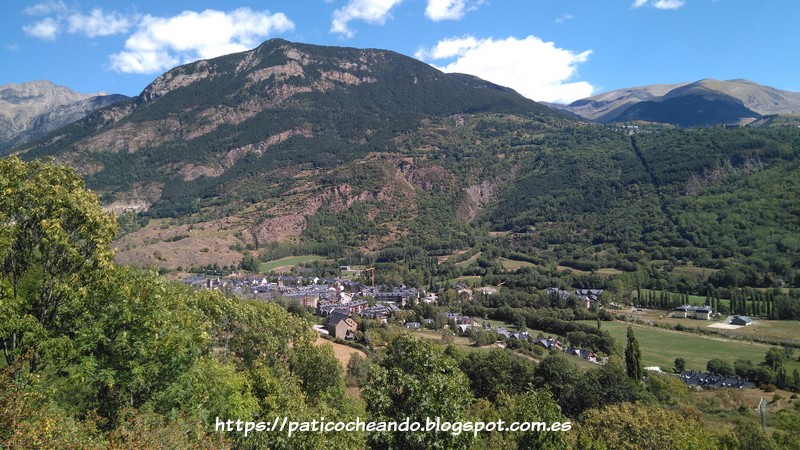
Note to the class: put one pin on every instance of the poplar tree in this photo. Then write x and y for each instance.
(633, 357)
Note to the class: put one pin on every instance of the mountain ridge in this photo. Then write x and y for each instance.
(334, 151)
(708, 101)
(32, 109)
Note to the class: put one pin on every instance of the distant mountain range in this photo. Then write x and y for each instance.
(301, 149)
(702, 103)
(33, 109)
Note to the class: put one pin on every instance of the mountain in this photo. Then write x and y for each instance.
(702, 103)
(608, 106)
(31, 110)
(318, 127)
(370, 156)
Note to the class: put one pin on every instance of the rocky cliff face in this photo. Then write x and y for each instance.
(31, 110)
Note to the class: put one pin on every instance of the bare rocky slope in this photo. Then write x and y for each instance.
(33, 109)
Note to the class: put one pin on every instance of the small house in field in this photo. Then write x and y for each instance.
(741, 321)
(413, 326)
(692, 312)
(703, 313)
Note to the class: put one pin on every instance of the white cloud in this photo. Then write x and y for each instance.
(659, 4)
(98, 23)
(668, 4)
(370, 11)
(161, 43)
(448, 48)
(439, 10)
(46, 8)
(46, 29)
(564, 18)
(536, 69)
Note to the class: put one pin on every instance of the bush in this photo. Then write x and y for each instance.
(770, 388)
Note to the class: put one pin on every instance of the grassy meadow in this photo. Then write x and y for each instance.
(660, 347)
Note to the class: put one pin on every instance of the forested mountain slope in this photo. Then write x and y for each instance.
(333, 150)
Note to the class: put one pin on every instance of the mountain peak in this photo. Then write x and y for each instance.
(30, 109)
(704, 102)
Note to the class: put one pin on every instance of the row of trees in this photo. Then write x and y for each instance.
(771, 371)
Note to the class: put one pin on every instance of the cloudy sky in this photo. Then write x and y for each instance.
(547, 50)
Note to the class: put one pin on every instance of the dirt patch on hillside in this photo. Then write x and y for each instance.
(724, 326)
(343, 353)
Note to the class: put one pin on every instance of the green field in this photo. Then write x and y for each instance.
(779, 330)
(469, 280)
(784, 330)
(512, 264)
(288, 262)
(661, 347)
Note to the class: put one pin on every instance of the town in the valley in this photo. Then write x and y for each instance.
(340, 305)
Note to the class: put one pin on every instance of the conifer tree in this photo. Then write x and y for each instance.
(633, 357)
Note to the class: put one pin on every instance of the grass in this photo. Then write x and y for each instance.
(601, 272)
(289, 262)
(512, 264)
(343, 353)
(660, 347)
(698, 273)
(785, 330)
(469, 280)
(470, 260)
(781, 330)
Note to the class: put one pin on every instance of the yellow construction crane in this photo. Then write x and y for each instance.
(372, 270)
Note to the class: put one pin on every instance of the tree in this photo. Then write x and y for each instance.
(633, 357)
(720, 367)
(496, 371)
(777, 357)
(320, 373)
(531, 406)
(680, 365)
(668, 390)
(631, 426)
(481, 337)
(54, 244)
(558, 374)
(415, 380)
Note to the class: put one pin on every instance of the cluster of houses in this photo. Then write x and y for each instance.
(336, 299)
(587, 296)
(711, 380)
(341, 301)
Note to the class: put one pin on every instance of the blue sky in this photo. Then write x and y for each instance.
(548, 50)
